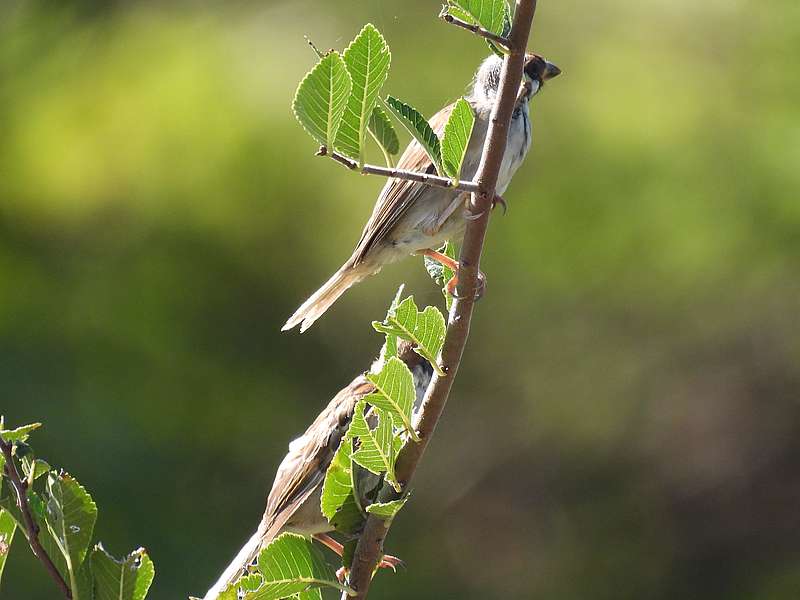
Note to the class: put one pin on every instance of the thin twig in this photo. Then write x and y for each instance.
(476, 29)
(31, 528)
(424, 178)
(370, 543)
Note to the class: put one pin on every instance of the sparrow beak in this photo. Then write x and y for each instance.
(550, 71)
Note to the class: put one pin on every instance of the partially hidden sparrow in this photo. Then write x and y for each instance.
(413, 218)
(293, 504)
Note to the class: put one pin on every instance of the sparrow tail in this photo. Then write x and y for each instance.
(313, 308)
(237, 568)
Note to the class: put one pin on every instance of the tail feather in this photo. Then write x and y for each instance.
(313, 308)
(237, 568)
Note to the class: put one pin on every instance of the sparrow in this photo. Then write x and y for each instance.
(293, 504)
(413, 218)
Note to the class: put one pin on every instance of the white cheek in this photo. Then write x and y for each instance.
(534, 87)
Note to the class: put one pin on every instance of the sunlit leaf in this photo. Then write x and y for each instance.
(70, 515)
(126, 579)
(382, 131)
(387, 510)
(390, 346)
(312, 594)
(20, 434)
(338, 501)
(321, 98)
(394, 392)
(492, 15)
(247, 583)
(418, 127)
(425, 329)
(376, 449)
(367, 59)
(289, 565)
(34, 468)
(455, 140)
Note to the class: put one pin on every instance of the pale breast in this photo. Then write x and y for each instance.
(519, 142)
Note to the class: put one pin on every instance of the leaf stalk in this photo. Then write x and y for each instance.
(501, 41)
(424, 178)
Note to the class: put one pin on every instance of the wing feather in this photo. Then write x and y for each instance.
(303, 469)
(398, 195)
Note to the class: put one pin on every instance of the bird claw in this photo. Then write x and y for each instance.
(498, 199)
(480, 288)
(387, 562)
(391, 562)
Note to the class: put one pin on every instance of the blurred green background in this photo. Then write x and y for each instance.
(626, 422)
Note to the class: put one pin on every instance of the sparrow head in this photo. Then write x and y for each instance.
(537, 70)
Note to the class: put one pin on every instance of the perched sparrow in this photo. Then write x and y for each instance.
(294, 501)
(413, 218)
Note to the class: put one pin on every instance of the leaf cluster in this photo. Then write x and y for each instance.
(338, 102)
(65, 515)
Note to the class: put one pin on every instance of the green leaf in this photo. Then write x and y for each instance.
(34, 468)
(20, 434)
(456, 136)
(7, 528)
(506, 31)
(425, 329)
(367, 59)
(246, 583)
(394, 392)
(440, 273)
(312, 594)
(390, 345)
(321, 98)
(349, 552)
(338, 501)
(289, 565)
(376, 450)
(337, 486)
(492, 15)
(70, 517)
(387, 510)
(126, 579)
(418, 127)
(382, 131)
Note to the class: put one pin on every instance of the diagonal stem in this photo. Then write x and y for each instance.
(370, 544)
(31, 528)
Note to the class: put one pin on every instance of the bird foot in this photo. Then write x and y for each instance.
(480, 288)
(387, 562)
(498, 199)
(452, 264)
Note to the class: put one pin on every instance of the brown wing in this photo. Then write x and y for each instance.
(303, 469)
(399, 194)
